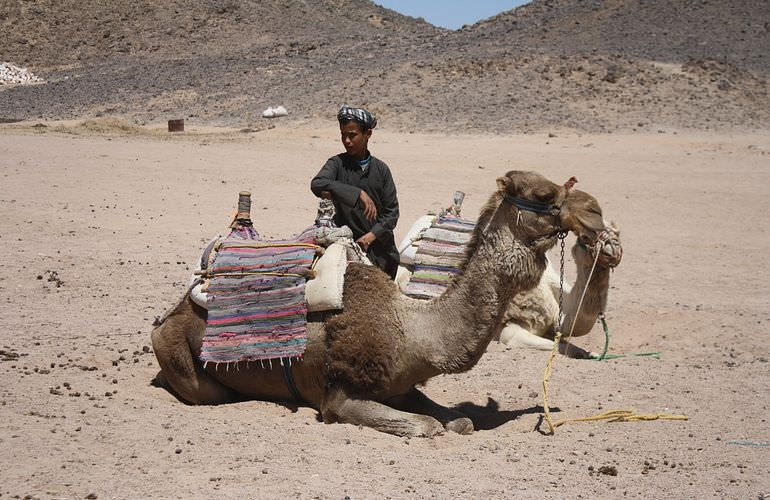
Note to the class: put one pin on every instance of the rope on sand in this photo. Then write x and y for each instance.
(611, 415)
(604, 356)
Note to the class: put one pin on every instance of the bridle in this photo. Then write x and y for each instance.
(533, 206)
(538, 207)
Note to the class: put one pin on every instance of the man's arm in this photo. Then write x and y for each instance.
(326, 180)
(388, 216)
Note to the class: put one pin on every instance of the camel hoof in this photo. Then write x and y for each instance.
(575, 352)
(432, 428)
(462, 425)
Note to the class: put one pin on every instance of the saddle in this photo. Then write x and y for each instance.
(323, 288)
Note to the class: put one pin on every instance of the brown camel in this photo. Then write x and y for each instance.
(361, 366)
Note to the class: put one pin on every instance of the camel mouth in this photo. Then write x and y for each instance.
(605, 248)
(586, 240)
(546, 241)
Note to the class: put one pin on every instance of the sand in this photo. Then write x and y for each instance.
(99, 234)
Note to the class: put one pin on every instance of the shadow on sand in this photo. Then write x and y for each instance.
(491, 417)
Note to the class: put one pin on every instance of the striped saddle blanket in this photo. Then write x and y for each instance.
(256, 299)
(441, 250)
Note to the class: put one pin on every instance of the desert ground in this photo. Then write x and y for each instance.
(100, 230)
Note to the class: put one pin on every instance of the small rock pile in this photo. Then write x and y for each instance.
(11, 74)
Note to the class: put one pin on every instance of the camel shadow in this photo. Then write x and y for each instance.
(490, 417)
(484, 418)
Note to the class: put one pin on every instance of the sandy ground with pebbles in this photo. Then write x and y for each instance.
(99, 234)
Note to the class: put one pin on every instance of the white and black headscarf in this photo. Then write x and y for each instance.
(360, 115)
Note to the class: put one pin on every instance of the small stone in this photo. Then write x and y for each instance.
(608, 470)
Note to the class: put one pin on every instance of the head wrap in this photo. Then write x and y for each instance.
(359, 115)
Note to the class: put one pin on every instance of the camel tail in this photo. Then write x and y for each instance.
(175, 341)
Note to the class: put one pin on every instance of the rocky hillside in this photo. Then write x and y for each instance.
(54, 33)
(672, 31)
(577, 64)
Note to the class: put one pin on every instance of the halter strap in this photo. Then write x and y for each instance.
(532, 206)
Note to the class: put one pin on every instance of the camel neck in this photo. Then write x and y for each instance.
(472, 307)
(586, 299)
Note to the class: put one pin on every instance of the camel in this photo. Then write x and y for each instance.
(532, 316)
(362, 366)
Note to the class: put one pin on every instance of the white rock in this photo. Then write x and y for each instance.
(11, 74)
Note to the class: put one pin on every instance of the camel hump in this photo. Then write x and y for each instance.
(367, 285)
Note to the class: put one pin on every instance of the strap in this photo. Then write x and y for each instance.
(532, 206)
(288, 377)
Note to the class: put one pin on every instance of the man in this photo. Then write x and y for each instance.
(362, 189)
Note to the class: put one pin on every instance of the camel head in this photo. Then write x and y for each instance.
(541, 210)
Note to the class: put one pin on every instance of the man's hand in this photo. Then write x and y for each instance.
(366, 240)
(370, 209)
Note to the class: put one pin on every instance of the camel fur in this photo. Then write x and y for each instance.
(363, 365)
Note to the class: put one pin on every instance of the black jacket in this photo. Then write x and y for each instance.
(343, 178)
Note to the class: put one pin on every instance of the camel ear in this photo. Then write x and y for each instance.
(561, 195)
(503, 183)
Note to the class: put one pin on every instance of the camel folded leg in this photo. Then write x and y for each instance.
(415, 401)
(171, 343)
(338, 406)
(575, 352)
(514, 335)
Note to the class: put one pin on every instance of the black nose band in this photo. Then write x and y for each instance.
(532, 206)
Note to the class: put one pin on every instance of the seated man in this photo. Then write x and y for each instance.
(362, 190)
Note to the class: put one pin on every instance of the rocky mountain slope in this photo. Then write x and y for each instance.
(672, 31)
(585, 65)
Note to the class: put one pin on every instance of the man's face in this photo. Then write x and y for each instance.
(354, 140)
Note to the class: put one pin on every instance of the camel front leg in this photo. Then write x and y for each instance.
(339, 406)
(513, 335)
(416, 402)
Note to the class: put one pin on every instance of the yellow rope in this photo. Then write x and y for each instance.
(611, 415)
(622, 416)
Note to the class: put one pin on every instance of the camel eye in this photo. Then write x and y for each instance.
(543, 196)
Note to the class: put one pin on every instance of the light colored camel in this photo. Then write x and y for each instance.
(533, 315)
(361, 366)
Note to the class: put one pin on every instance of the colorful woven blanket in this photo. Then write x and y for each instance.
(256, 299)
(438, 258)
